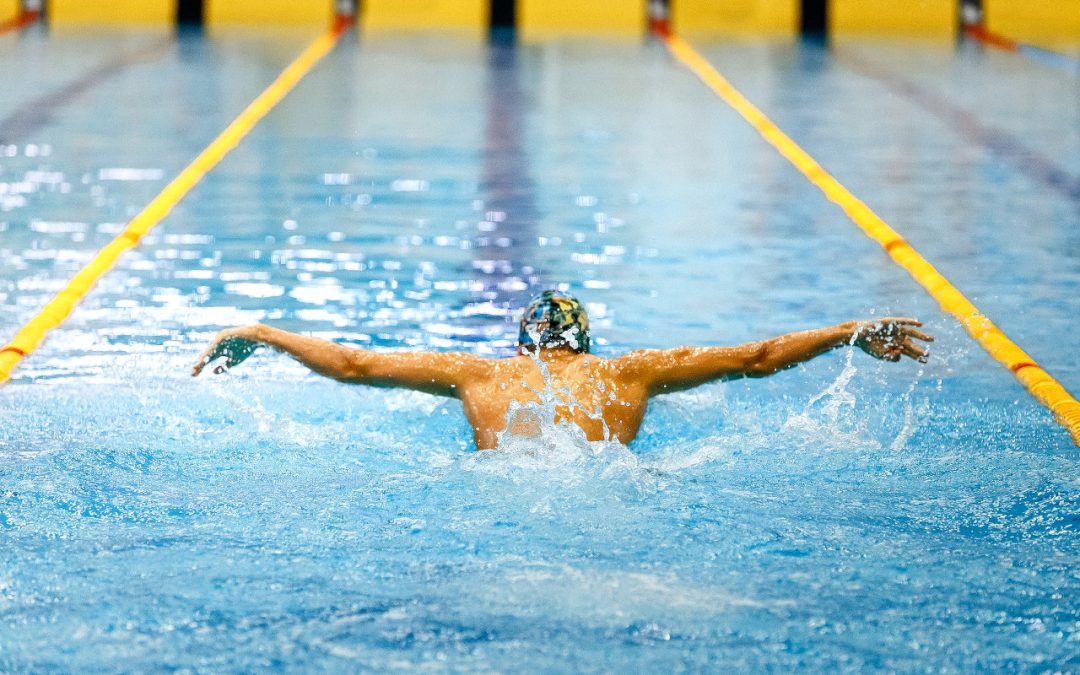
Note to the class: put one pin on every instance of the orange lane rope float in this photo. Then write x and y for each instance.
(22, 20)
(60, 307)
(1041, 384)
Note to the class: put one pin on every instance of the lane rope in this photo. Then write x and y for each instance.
(1047, 57)
(31, 335)
(22, 20)
(980, 34)
(1038, 382)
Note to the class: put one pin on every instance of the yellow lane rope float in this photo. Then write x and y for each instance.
(1041, 384)
(60, 307)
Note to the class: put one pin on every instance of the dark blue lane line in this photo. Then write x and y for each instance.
(966, 124)
(40, 112)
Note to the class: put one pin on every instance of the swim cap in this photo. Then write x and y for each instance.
(553, 319)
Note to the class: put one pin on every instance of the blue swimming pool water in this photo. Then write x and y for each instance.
(412, 193)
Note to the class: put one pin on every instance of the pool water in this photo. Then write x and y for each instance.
(412, 193)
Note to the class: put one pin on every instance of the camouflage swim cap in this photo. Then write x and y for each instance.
(553, 319)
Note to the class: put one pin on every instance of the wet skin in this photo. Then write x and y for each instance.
(605, 397)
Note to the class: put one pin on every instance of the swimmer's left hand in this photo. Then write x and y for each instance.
(891, 338)
(234, 345)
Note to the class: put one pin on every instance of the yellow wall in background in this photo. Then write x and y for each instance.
(933, 18)
(735, 16)
(1035, 21)
(542, 18)
(272, 12)
(405, 14)
(9, 9)
(74, 12)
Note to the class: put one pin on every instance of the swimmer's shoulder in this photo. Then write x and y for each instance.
(631, 361)
(632, 368)
(502, 367)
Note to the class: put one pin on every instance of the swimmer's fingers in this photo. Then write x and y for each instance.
(893, 350)
(892, 337)
(918, 335)
(233, 348)
(892, 325)
(891, 354)
(914, 351)
(215, 351)
(206, 357)
(898, 320)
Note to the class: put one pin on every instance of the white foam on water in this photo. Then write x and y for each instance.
(830, 416)
(536, 439)
(678, 458)
(914, 413)
(608, 596)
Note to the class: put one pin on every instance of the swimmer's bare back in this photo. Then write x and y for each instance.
(605, 397)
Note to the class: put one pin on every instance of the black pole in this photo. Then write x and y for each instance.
(189, 13)
(502, 14)
(814, 18)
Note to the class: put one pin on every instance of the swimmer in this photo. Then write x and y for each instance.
(605, 397)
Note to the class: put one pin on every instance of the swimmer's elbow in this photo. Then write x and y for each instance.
(358, 370)
(760, 360)
(354, 367)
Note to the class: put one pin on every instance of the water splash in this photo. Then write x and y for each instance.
(543, 449)
(913, 412)
(834, 422)
(535, 419)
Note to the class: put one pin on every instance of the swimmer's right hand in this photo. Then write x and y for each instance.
(234, 345)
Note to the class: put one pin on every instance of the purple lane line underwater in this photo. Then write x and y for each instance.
(967, 125)
(40, 112)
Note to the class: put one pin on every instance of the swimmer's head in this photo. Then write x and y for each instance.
(554, 319)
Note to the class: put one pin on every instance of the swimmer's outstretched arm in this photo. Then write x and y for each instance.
(439, 373)
(669, 370)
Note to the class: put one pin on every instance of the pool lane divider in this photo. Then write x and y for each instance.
(1038, 382)
(22, 20)
(980, 34)
(60, 307)
(1045, 56)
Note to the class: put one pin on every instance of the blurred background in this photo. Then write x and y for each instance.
(1046, 23)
